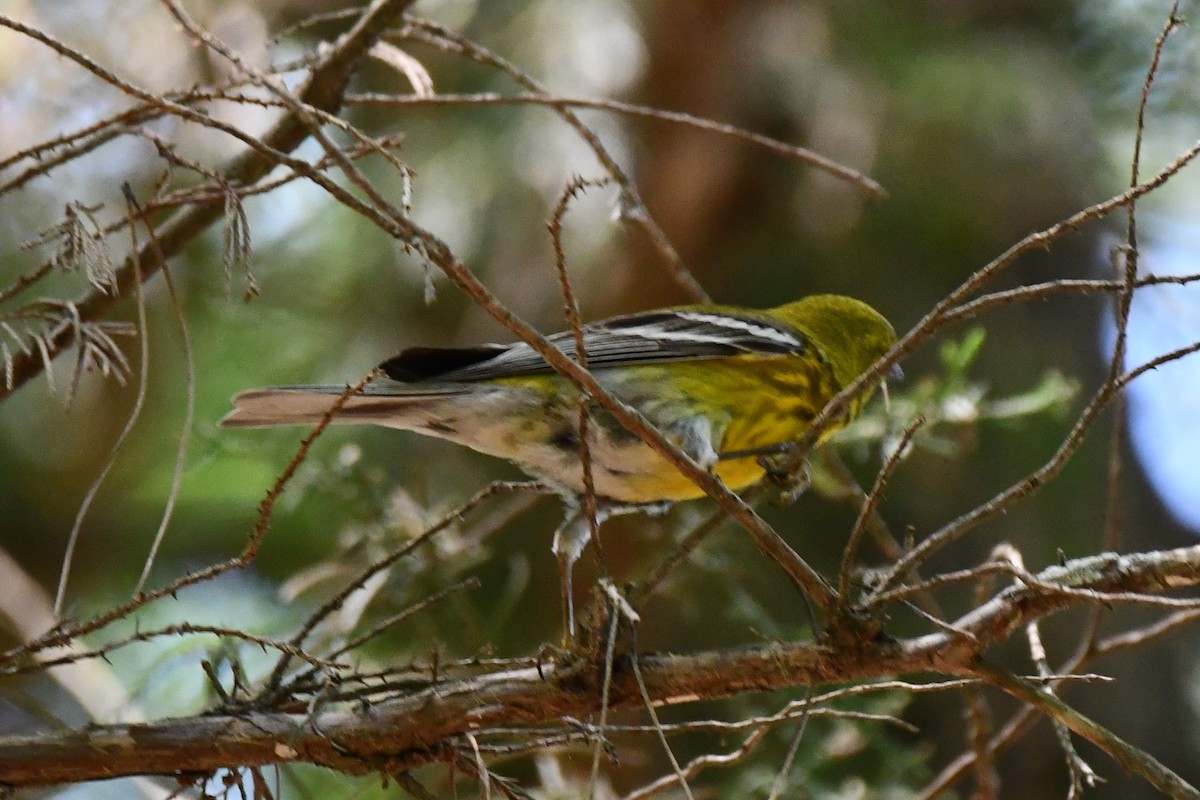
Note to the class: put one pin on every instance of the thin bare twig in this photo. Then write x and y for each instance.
(632, 207)
(699, 763)
(662, 737)
(575, 323)
(130, 422)
(189, 413)
(960, 526)
(867, 510)
(1129, 254)
(272, 684)
(395, 619)
(1080, 771)
(1036, 291)
(1132, 759)
(610, 649)
(179, 629)
(790, 151)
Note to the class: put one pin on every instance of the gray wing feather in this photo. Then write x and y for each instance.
(656, 336)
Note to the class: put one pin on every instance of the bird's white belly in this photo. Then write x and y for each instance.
(543, 438)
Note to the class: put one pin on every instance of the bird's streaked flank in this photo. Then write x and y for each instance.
(713, 379)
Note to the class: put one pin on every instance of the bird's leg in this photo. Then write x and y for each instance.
(567, 590)
(570, 539)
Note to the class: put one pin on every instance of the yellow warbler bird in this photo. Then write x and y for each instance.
(713, 379)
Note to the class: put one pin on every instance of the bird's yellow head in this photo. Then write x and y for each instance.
(849, 333)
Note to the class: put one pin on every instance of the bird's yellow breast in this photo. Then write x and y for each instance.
(751, 402)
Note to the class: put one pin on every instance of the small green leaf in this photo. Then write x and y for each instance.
(957, 356)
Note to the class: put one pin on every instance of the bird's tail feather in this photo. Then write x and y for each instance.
(306, 405)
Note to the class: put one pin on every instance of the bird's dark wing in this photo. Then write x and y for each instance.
(653, 336)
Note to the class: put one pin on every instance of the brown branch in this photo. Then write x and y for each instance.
(1038, 291)
(417, 729)
(868, 509)
(997, 619)
(577, 186)
(790, 151)
(426, 725)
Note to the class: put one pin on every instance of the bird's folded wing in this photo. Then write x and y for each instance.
(654, 336)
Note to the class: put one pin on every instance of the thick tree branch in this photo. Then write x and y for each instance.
(426, 725)
(418, 728)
